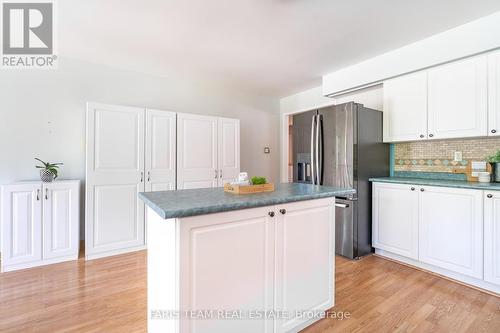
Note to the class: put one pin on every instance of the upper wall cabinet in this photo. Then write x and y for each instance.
(448, 101)
(405, 105)
(494, 94)
(458, 97)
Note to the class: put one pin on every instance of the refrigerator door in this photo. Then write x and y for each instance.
(338, 145)
(301, 147)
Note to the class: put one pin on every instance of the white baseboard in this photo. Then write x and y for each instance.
(10, 268)
(457, 277)
(99, 255)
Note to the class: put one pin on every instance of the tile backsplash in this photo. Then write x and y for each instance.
(437, 155)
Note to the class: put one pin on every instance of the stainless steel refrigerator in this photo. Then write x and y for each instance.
(342, 146)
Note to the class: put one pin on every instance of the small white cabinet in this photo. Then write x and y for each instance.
(395, 219)
(492, 237)
(451, 229)
(494, 94)
(458, 96)
(405, 108)
(39, 223)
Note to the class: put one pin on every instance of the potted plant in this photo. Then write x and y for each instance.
(49, 171)
(494, 160)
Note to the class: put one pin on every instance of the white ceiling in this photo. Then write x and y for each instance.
(269, 47)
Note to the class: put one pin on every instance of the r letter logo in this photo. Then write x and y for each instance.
(28, 34)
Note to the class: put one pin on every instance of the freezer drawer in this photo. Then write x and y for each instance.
(345, 222)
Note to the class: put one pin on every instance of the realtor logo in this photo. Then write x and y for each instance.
(28, 34)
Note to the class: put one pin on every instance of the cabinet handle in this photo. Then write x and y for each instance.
(421, 190)
(283, 211)
(216, 174)
(493, 131)
(37, 194)
(46, 194)
(220, 173)
(421, 136)
(431, 135)
(490, 196)
(413, 189)
(271, 214)
(142, 176)
(149, 176)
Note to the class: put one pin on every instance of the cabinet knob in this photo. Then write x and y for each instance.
(421, 136)
(283, 211)
(271, 214)
(493, 131)
(489, 196)
(421, 190)
(413, 189)
(431, 135)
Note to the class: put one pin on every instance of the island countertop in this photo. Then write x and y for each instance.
(184, 203)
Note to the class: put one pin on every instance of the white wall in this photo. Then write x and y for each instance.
(43, 115)
(475, 37)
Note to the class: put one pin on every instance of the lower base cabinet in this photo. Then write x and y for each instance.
(262, 261)
(39, 223)
(492, 237)
(451, 229)
(448, 233)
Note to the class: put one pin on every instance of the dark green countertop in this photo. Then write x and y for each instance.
(438, 182)
(183, 203)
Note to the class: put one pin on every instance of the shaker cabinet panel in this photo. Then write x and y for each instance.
(451, 229)
(494, 94)
(492, 237)
(395, 219)
(458, 99)
(21, 224)
(405, 108)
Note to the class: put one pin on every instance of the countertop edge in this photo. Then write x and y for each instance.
(230, 207)
(439, 183)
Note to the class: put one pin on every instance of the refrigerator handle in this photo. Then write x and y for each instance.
(312, 150)
(321, 151)
(317, 149)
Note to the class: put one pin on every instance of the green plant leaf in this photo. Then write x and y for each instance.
(259, 180)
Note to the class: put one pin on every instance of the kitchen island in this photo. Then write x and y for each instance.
(219, 262)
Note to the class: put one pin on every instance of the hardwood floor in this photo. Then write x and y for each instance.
(109, 295)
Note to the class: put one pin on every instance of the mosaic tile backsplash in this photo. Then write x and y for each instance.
(437, 156)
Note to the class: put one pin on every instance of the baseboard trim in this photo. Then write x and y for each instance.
(104, 254)
(44, 262)
(461, 279)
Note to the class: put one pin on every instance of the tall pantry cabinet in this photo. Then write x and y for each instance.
(132, 150)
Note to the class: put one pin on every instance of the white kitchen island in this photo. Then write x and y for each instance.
(219, 262)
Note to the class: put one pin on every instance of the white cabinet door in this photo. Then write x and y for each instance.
(492, 237)
(115, 174)
(458, 99)
(21, 224)
(196, 151)
(61, 219)
(160, 150)
(395, 219)
(228, 150)
(405, 108)
(231, 252)
(312, 223)
(494, 94)
(451, 229)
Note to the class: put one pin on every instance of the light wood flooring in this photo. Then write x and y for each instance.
(109, 295)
